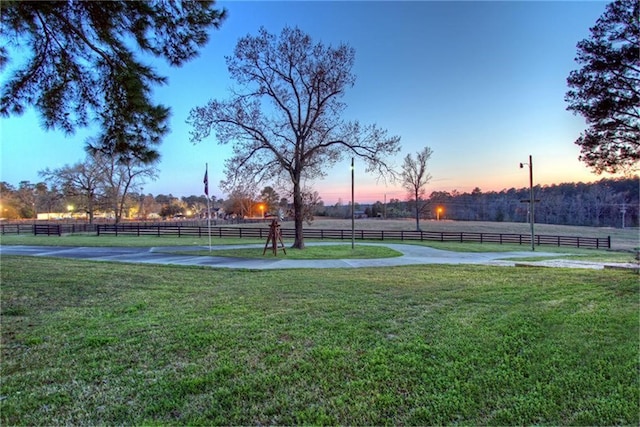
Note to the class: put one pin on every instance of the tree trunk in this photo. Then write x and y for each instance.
(298, 215)
(90, 209)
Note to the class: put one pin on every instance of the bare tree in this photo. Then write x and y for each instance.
(287, 118)
(119, 176)
(415, 177)
(81, 181)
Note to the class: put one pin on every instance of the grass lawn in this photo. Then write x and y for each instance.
(102, 343)
(310, 252)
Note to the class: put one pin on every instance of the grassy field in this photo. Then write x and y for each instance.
(310, 252)
(101, 343)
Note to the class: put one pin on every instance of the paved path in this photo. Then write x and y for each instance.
(412, 255)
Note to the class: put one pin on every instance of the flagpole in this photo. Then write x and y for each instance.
(206, 193)
(209, 221)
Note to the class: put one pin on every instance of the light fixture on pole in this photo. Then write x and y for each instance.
(353, 212)
(531, 200)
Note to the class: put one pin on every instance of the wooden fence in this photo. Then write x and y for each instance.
(396, 235)
(47, 228)
(179, 230)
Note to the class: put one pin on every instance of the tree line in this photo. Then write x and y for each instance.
(605, 203)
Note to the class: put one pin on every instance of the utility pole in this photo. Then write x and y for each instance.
(353, 212)
(384, 207)
(531, 199)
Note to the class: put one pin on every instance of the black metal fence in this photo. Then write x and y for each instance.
(178, 230)
(338, 234)
(47, 228)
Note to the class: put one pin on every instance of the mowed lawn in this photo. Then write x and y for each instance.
(104, 343)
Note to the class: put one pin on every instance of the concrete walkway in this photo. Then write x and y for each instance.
(412, 255)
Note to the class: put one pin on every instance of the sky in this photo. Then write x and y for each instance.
(481, 83)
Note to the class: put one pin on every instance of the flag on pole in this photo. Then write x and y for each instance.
(206, 180)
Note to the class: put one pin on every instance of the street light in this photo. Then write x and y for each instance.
(262, 210)
(353, 212)
(438, 212)
(531, 200)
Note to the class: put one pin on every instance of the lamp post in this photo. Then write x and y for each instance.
(353, 212)
(262, 211)
(438, 212)
(531, 200)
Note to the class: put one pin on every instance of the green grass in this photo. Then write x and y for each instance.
(310, 252)
(103, 343)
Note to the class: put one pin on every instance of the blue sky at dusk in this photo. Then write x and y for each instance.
(481, 83)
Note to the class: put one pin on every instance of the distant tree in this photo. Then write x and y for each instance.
(287, 120)
(397, 209)
(82, 181)
(171, 210)
(311, 201)
(148, 205)
(77, 62)
(120, 176)
(606, 90)
(8, 203)
(165, 199)
(48, 199)
(242, 195)
(414, 179)
(25, 195)
(269, 197)
(377, 209)
(197, 204)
